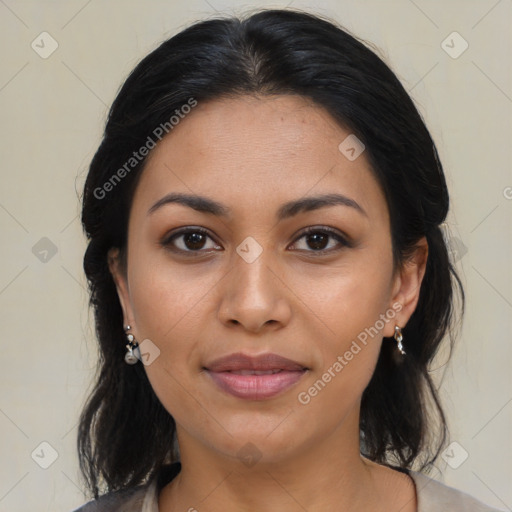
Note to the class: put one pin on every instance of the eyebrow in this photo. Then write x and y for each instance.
(287, 210)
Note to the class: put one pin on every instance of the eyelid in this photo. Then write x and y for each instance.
(342, 238)
(166, 241)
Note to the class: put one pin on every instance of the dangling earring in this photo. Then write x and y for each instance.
(132, 348)
(398, 337)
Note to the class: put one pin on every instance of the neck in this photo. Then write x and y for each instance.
(327, 476)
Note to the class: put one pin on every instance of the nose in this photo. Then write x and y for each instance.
(253, 296)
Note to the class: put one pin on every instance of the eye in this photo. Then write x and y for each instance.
(195, 240)
(191, 239)
(317, 239)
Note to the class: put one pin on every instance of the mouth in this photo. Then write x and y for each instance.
(255, 378)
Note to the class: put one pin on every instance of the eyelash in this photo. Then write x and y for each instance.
(343, 242)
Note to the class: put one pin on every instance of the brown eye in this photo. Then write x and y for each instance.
(318, 240)
(194, 241)
(190, 240)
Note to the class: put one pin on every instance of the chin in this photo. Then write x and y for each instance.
(260, 440)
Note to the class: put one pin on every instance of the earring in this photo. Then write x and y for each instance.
(132, 348)
(398, 337)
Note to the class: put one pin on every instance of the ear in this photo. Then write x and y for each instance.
(406, 286)
(120, 279)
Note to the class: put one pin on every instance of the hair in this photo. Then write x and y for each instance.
(125, 435)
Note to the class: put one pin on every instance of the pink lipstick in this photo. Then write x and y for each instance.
(255, 378)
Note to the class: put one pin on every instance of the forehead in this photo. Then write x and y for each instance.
(258, 149)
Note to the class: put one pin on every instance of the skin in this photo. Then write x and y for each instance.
(253, 154)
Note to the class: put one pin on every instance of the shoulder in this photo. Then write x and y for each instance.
(142, 498)
(126, 500)
(434, 496)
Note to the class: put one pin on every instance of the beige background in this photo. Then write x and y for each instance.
(53, 111)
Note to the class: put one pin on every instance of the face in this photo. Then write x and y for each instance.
(299, 291)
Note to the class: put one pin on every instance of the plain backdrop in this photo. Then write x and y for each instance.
(53, 108)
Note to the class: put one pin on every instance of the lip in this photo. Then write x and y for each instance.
(255, 377)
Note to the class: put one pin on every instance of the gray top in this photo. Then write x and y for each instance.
(433, 496)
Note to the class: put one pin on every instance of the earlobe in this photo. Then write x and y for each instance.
(408, 283)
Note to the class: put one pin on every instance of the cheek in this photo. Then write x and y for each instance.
(166, 297)
(168, 307)
(349, 351)
(353, 306)
(348, 299)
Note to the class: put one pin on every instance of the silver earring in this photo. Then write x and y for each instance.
(398, 337)
(132, 348)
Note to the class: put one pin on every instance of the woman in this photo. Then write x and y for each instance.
(269, 278)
